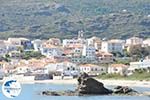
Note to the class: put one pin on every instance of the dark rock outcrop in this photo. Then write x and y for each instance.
(88, 85)
(60, 93)
(124, 90)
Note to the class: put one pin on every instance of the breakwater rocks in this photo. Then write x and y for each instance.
(90, 86)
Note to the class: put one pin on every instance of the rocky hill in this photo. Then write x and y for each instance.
(64, 18)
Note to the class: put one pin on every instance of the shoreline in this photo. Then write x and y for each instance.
(130, 83)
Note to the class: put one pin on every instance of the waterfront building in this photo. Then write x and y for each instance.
(140, 64)
(22, 69)
(118, 69)
(66, 68)
(92, 69)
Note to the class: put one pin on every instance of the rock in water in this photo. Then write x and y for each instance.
(124, 90)
(88, 85)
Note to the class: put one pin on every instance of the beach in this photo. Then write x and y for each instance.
(131, 83)
(105, 82)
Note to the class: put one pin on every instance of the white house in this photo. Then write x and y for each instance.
(3, 50)
(23, 69)
(74, 42)
(118, 69)
(104, 57)
(95, 41)
(140, 64)
(79, 59)
(26, 43)
(113, 46)
(51, 52)
(134, 41)
(11, 47)
(89, 52)
(15, 54)
(14, 41)
(54, 41)
(66, 68)
(146, 42)
(92, 69)
(37, 44)
(77, 51)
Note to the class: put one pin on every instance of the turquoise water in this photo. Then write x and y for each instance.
(31, 92)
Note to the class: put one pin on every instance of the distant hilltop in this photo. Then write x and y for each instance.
(64, 18)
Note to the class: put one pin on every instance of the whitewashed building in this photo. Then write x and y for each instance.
(37, 44)
(89, 52)
(95, 41)
(146, 42)
(113, 46)
(51, 52)
(11, 47)
(104, 57)
(75, 41)
(3, 50)
(140, 64)
(66, 68)
(134, 41)
(118, 69)
(26, 43)
(92, 69)
(54, 41)
(23, 69)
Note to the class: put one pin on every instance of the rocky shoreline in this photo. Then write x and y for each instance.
(90, 86)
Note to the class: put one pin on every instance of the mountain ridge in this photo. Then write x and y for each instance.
(63, 19)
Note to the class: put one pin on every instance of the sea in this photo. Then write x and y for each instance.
(33, 91)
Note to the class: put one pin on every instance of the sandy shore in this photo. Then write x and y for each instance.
(105, 82)
(126, 83)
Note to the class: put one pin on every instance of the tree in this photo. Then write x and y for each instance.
(7, 58)
(20, 49)
(137, 52)
(117, 54)
(32, 54)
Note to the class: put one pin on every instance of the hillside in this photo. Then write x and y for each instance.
(64, 18)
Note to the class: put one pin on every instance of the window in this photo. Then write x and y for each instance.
(73, 68)
(95, 69)
(115, 69)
